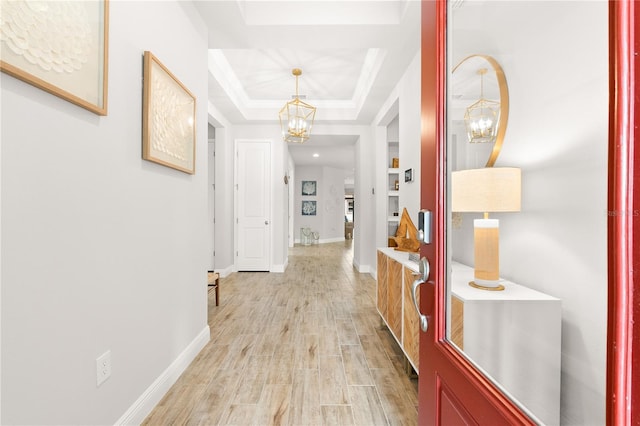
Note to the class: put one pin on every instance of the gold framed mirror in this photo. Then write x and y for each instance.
(481, 101)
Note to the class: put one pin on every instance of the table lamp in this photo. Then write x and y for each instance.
(491, 189)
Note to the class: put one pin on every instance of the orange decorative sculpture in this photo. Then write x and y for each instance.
(407, 235)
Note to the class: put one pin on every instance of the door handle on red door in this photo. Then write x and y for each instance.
(424, 276)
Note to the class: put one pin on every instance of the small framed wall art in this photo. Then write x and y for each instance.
(60, 47)
(309, 187)
(308, 208)
(168, 118)
(408, 175)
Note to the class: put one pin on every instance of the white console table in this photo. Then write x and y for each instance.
(513, 336)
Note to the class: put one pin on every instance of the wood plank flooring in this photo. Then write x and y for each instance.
(305, 347)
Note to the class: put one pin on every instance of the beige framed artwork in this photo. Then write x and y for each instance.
(168, 119)
(58, 46)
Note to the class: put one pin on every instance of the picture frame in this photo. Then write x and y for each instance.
(309, 208)
(309, 187)
(168, 118)
(77, 69)
(408, 175)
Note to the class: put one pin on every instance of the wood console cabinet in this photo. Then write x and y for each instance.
(395, 306)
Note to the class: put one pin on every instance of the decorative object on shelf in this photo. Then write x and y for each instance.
(308, 187)
(486, 118)
(408, 175)
(491, 189)
(296, 116)
(308, 208)
(59, 47)
(397, 185)
(168, 118)
(395, 162)
(315, 235)
(406, 238)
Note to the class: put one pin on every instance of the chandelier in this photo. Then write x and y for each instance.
(482, 117)
(296, 117)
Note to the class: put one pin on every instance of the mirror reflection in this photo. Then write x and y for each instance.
(479, 111)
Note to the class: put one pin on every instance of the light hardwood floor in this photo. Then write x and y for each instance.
(305, 347)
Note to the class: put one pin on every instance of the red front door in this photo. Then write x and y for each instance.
(452, 391)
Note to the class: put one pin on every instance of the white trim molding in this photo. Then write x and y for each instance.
(140, 409)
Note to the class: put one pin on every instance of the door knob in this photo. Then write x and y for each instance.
(424, 276)
(266, 222)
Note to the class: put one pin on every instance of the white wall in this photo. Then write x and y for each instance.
(404, 102)
(410, 132)
(557, 134)
(364, 249)
(101, 250)
(329, 218)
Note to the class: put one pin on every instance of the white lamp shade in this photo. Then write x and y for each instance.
(491, 189)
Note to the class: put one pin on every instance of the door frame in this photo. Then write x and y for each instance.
(623, 338)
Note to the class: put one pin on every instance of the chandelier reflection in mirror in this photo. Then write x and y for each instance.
(296, 117)
(482, 117)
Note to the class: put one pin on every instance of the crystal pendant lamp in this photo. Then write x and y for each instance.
(482, 117)
(296, 117)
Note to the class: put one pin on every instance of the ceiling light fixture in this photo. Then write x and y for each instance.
(482, 117)
(316, 155)
(296, 117)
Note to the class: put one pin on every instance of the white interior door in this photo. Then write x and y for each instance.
(253, 177)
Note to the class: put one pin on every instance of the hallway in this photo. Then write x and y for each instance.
(300, 348)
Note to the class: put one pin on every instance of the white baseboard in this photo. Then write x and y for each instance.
(140, 409)
(278, 268)
(363, 269)
(325, 240)
(226, 272)
(331, 240)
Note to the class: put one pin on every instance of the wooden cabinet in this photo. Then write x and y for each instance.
(411, 322)
(389, 291)
(394, 300)
(395, 305)
(381, 300)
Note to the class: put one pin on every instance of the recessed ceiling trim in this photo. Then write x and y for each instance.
(370, 69)
(324, 12)
(221, 70)
(258, 109)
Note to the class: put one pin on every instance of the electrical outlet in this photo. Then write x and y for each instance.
(103, 367)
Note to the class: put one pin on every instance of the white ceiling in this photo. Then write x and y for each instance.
(352, 54)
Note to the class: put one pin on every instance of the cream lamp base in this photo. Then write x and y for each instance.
(486, 276)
